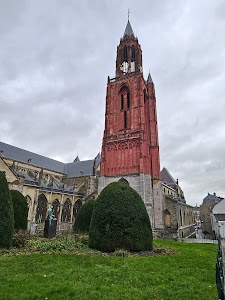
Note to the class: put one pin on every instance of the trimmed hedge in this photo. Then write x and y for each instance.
(20, 210)
(83, 218)
(120, 220)
(6, 214)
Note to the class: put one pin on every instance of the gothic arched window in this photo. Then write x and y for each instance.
(56, 208)
(133, 53)
(28, 198)
(76, 208)
(66, 211)
(125, 104)
(122, 102)
(125, 54)
(125, 119)
(41, 209)
(124, 95)
(167, 218)
(133, 59)
(128, 100)
(181, 221)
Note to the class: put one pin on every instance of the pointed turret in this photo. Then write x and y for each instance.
(128, 31)
(76, 159)
(149, 80)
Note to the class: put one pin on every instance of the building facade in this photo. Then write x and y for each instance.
(217, 214)
(178, 216)
(130, 151)
(45, 182)
(206, 213)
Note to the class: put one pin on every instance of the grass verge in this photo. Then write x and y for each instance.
(188, 274)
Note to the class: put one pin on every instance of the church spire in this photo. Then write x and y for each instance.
(128, 31)
(149, 80)
(129, 54)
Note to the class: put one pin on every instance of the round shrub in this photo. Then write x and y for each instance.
(120, 220)
(83, 218)
(6, 214)
(20, 210)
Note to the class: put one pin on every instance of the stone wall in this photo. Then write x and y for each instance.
(142, 184)
(205, 210)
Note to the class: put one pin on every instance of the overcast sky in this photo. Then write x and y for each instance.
(55, 57)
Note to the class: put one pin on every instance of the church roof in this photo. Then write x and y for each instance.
(81, 168)
(75, 169)
(167, 177)
(128, 31)
(212, 197)
(219, 207)
(18, 154)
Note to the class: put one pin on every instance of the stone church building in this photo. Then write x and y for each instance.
(130, 152)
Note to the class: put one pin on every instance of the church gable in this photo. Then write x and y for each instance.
(167, 177)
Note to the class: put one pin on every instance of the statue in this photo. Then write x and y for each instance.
(51, 215)
(50, 224)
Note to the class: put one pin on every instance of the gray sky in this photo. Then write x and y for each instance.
(55, 57)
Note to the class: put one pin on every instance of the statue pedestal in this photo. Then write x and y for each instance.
(50, 229)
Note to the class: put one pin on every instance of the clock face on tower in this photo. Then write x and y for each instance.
(124, 67)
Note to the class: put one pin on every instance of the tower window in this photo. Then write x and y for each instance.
(128, 100)
(132, 53)
(125, 119)
(122, 102)
(132, 59)
(125, 53)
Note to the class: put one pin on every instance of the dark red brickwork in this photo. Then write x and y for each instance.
(130, 141)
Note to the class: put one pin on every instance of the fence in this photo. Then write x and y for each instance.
(198, 241)
(220, 273)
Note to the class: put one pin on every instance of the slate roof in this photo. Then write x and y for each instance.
(128, 31)
(82, 168)
(15, 153)
(149, 78)
(75, 169)
(219, 208)
(212, 197)
(165, 176)
(79, 168)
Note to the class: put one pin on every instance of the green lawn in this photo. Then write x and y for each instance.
(187, 275)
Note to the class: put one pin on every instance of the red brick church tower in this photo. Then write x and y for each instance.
(130, 148)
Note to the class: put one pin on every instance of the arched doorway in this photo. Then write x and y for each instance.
(41, 209)
(65, 217)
